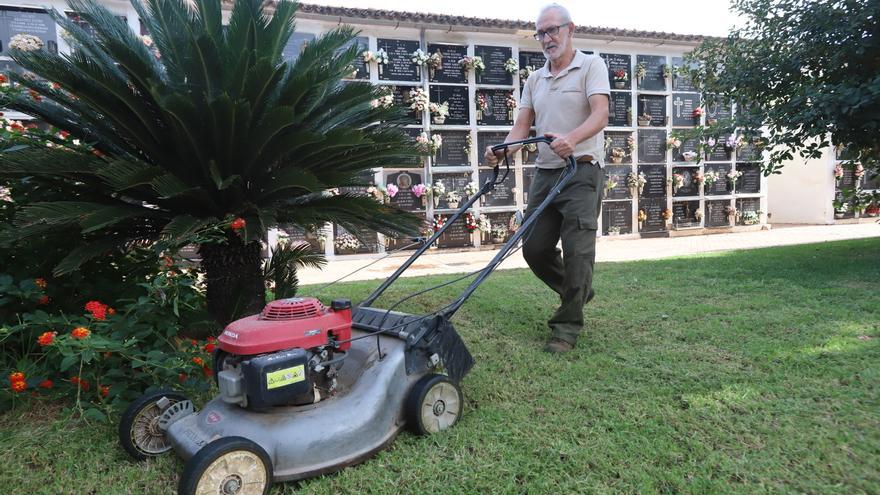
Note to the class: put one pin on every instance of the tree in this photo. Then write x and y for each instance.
(181, 133)
(805, 72)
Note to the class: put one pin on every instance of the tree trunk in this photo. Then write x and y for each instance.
(234, 279)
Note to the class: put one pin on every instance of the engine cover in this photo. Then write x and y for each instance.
(275, 379)
(297, 322)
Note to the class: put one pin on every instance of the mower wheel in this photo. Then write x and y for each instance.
(139, 431)
(227, 466)
(434, 404)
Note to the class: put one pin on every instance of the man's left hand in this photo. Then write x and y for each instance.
(561, 145)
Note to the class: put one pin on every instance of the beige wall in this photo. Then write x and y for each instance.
(803, 192)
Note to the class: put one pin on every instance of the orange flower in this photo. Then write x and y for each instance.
(18, 376)
(80, 333)
(238, 223)
(111, 311)
(43, 300)
(46, 384)
(19, 386)
(36, 96)
(40, 282)
(97, 309)
(105, 390)
(46, 338)
(198, 361)
(3, 79)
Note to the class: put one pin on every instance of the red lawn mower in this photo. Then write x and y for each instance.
(307, 389)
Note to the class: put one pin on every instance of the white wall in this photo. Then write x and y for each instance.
(803, 192)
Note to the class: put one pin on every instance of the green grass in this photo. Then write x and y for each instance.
(745, 372)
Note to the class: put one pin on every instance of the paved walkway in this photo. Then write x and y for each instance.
(608, 249)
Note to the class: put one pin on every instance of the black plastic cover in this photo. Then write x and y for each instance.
(276, 379)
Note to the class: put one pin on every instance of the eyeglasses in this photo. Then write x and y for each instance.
(552, 31)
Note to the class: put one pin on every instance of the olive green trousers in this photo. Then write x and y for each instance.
(572, 216)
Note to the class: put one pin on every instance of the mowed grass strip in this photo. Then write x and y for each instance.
(744, 372)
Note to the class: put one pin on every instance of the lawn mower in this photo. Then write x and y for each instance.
(307, 389)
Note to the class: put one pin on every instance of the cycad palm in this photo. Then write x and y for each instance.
(216, 125)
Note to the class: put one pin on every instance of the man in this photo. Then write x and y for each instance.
(567, 100)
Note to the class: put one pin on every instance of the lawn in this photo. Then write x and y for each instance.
(745, 372)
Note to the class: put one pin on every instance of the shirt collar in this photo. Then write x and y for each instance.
(576, 63)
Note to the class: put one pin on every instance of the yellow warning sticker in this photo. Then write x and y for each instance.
(287, 376)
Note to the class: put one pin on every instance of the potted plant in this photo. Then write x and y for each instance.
(644, 119)
(439, 112)
(698, 179)
(476, 63)
(511, 66)
(620, 77)
(641, 71)
(732, 177)
(381, 58)
(437, 192)
(636, 182)
(838, 174)
(710, 178)
(391, 190)
(525, 72)
(667, 71)
(470, 223)
(667, 215)
(419, 58)
(471, 188)
(732, 214)
(453, 198)
(428, 146)
(511, 105)
(482, 105)
(840, 207)
(434, 63)
(677, 182)
(611, 182)
(617, 155)
(643, 217)
(873, 209)
(751, 217)
(673, 142)
(421, 192)
(698, 215)
(346, 243)
(698, 112)
(613, 231)
(498, 233)
(484, 225)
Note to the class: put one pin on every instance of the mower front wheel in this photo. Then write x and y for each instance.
(139, 431)
(227, 466)
(434, 404)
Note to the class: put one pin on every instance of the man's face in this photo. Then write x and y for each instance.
(560, 43)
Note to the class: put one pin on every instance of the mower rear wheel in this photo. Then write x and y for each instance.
(434, 404)
(227, 466)
(139, 431)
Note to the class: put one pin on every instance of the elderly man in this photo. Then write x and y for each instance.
(567, 101)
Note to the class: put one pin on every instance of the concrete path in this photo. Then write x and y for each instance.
(608, 249)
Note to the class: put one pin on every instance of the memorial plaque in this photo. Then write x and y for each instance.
(400, 66)
(485, 139)
(504, 194)
(750, 182)
(684, 214)
(449, 70)
(454, 150)
(8, 66)
(402, 100)
(655, 106)
(716, 214)
(530, 155)
(24, 20)
(494, 58)
(528, 176)
(620, 112)
(720, 187)
(718, 153)
(619, 141)
(656, 185)
(871, 180)
(534, 60)
(652, 146)
(653, 207)
(505, 218)
(683, 106)
(681, 82)
(457, 235)
(416, 161)
(453, 182)
(457, 98)
(369, 241)
(747, 205)
(497, 112)
(617, 214)
(616, 175)
(361, 68)
(689, 188)
(296, 235)
(749, 153)
(617, 62)
(404, 199)
(653, 80)
(295, 46)
(686, 145)
(718, 111)
(85, 26)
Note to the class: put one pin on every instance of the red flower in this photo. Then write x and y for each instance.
(17, 376)
(56, 85)
(194, 342)
(97, 152)
(19, 386)
(211, 339)
(63, 134)
(209, 348)
(46, 384)
(168, 261)
(83, 384)
(16, 126)
(105, 390)
(698, 112)
(43, 300)
(80, 333)
(182, 377)
(198, 361)
(40, 282)
(238, 223)
(207, 371)
(46, 338)
(97, 309)
(111, 311)
(3, 79)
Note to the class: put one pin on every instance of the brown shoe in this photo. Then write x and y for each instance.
(558, 346)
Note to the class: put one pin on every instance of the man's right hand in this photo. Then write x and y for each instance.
(491, 157)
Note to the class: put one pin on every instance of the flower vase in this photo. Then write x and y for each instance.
(439, 120)
(436, 201)
(856, 214)
(616, 159)
(479, 76)
(510, 114)
(497, 240)
(619, 84)
(674, 189)
(479, 114)
(642, 225)
(644, 122)
(452, 204)
(641, 188)
(431, 72)
(380, 68)
(424, 201)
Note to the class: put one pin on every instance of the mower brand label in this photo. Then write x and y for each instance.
(231, 335)
(287, 376)
(314, 332)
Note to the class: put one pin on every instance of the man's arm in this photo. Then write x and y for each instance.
(520, 131)
(563, 145)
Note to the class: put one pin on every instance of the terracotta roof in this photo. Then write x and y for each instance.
(416, 19)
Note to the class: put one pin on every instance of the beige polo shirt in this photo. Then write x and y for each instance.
(561, 103)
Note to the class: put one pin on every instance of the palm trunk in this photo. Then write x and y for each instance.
(234, 279)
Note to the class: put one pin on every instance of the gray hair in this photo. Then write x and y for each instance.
(566, 17)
